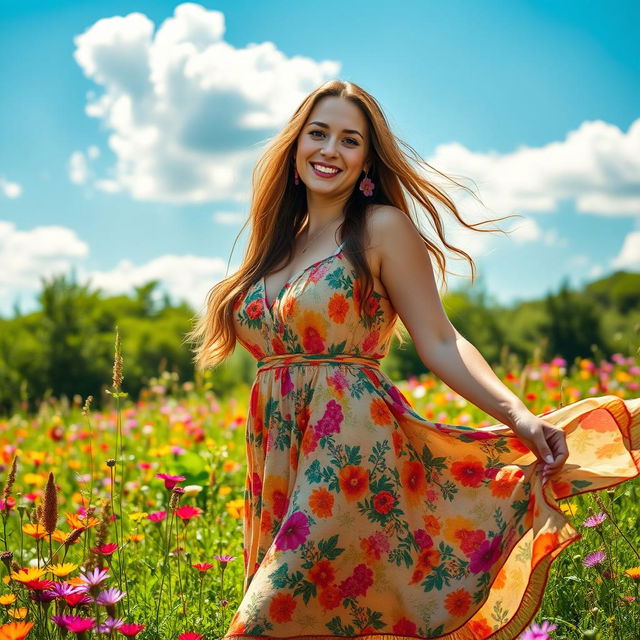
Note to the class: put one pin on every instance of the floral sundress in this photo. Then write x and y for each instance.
(364, 519)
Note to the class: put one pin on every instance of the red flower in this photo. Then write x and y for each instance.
(383, 502)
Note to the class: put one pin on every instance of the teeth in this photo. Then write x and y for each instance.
(324, 169)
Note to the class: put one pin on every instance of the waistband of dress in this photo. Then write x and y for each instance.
(295, 359)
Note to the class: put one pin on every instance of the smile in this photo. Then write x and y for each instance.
(324, 172)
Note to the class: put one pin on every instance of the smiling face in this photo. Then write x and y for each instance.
(335, 135)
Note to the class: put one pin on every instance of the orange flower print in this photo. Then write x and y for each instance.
(609, 450)
(431, 524)
(265, 521)
(293, 457)
(380, 413)
(371, 306)
(427, 559)
(412, 475)
(383, 502)
(480, 627)
(396, 438)
(375, 545)
(338, 308)
(312, 329)
(457, 602)
(470, 540)
(544, 544)
(282, 607)
(354, 481)
(505, 481)
(321, 503)
(599, 420)
(330, 597)
(278, 345)
(309, 441)
(501, 579)
(254, 309)
(288, 308)
(469, 471)
(322, 573)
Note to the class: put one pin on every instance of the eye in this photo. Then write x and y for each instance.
(351, 140)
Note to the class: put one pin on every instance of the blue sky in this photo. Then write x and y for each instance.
(129, 130)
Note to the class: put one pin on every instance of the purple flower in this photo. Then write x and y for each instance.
(110, 596)
(484, 557)
(94, 577)
(330, 421)
(224, 560)
(593, 559)
(293, 532)
(537, 631)
(110, 624)
(595, 520)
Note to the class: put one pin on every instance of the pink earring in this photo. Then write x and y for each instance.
(367, 185)
(296, 177)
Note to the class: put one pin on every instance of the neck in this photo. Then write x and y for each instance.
(321, 210)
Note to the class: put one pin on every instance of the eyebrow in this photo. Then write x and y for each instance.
(326, 126)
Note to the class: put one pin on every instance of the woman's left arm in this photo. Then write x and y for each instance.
(407, 274)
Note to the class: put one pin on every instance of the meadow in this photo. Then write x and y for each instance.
(127, 522)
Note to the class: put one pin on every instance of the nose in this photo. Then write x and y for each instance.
(329, 147)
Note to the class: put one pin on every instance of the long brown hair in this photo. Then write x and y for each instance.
(278, 208)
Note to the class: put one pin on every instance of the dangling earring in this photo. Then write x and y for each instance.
(296, 177)
(367, 185)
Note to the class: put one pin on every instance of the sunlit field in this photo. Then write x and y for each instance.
(128, 522)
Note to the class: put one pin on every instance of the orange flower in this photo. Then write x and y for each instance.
(321, 502)
(36, 531)
(354, 481)
(380, 413)
(329, 598)
(543, 545)
(265, 521)
(77, 522)
(397, 440)
(282, 607)
(338, 307)
(501, 579)
(322, 573)
(480, 627)
(431, 524)
(469, 471)
(504, 481)
(599, 420)
(15, 630)
(27, 574)
(609, 450)
(457, 603)
(413, 479)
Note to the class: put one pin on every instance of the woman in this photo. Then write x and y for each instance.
(363, 518)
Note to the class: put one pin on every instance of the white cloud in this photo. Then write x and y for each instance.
(10, 189)
(596, 166)
(26, 256)
(187, 277)
(529, 230)
(629, 256)
(188, 111)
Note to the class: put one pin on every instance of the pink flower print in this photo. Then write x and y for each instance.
(483, 558)
(256, 487)
(293, 532)
(330, 421)
(358, 583)
(286, 384)
(423, 539)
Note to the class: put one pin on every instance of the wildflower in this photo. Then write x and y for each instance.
(138, 515)
(50, 505)
(19, 613)
(110, 596)
(633, 572)
(110, 624)
(224, 560)
(36, 531)
(131, 630)
(537, 631)
(95, 577)
(187, 512)
(170, 481)
(7, 599)
(190, 635)
(28, 574)
(62, 570)
(15, 630)
(202, 567)
(157, 516)
(593, 559)
(595, 520)
(192, 490)
(105, 549)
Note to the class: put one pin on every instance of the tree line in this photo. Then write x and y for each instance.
(65, 348)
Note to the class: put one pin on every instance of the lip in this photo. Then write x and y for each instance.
(324, 175)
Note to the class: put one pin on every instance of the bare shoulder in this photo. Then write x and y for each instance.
(384, 222)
